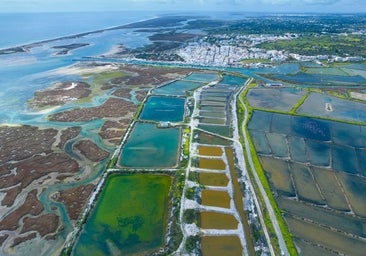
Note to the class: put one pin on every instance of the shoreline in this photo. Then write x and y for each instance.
(26, 46)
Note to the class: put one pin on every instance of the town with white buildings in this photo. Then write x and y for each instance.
(243, 50)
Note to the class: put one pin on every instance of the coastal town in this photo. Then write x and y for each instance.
(242, 44)
(244, 51)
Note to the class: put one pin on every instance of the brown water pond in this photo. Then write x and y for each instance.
(214, 220)
(209, 151)
(279, 176)
(216, 198)
(211, 164)
(213, 179)
(221, 245)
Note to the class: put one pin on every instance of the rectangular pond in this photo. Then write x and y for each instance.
(177, 88)
(202, 77)
(223, 130)
(209, 139)
(149, 146)
(323, 174)
(213, 179)
(279, 98)
(233, 80)
(321, 79)
(260, 121)
(221, 245)
(159, 108)
(130, 216)
(341, 109)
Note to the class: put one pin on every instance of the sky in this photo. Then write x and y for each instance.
(284, 6)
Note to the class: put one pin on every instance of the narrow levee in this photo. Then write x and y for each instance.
(238, 198)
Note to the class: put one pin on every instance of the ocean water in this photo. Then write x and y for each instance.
(25, 28)
(23, 73)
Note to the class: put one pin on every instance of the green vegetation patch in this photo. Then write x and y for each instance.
(97, 81)
(129, 217)
(340, 45)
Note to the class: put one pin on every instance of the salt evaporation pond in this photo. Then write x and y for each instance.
(278, 99)
(341, 108)
(129, 218)
(233, 80)
(319, 182)
(179, 88)
(221, 245)
(321, 79)
(149, 146)
(202, 77)
(159, 108)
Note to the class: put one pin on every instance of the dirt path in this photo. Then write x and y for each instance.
(275, 224)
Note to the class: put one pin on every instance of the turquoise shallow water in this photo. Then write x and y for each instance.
(177, 88)
(23, 73)
(163, 109)
(149, 146)
(24, 28)
(202, 77)
(233, 80)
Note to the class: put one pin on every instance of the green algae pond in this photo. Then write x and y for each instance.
(130, 217)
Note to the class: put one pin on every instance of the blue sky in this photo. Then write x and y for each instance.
(174, 5)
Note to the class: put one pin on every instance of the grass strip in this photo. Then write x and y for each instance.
(260, 172)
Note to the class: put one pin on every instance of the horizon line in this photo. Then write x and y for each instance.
(188, 11)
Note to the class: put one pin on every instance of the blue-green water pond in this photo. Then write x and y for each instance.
(149, 146)
(159, 108)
